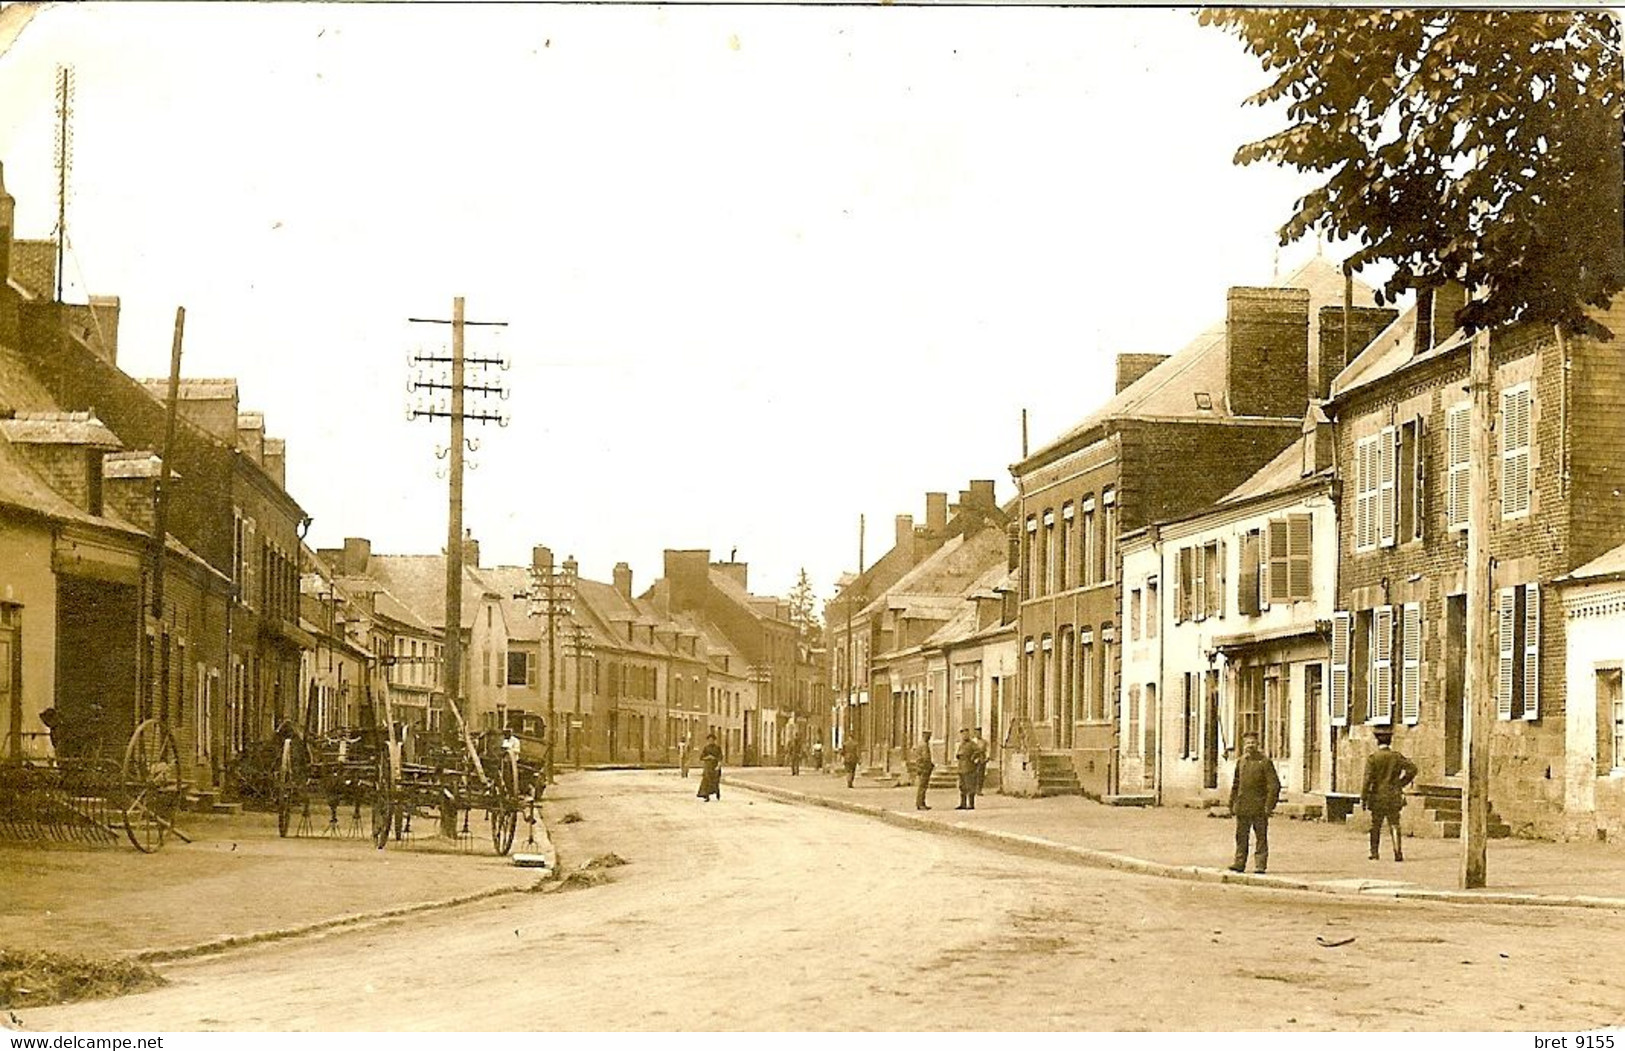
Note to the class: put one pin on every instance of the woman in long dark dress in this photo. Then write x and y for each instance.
(711, 776)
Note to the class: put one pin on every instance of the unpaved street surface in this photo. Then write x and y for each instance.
(752, 914)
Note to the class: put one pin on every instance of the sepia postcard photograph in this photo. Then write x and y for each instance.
(799, 518)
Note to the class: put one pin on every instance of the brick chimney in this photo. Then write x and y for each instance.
(1131, 367)
(357, 553)
(903, 539)
(1267, 339)
(936, 513)
(251, 435)
(623, 580)
(276, 460)
(8, 223)
(687, 577)
(541, 558)
(1365, 324)
(1317, 440)
(96, 324)
(471, 550)
(129, 484)
(1436, 310)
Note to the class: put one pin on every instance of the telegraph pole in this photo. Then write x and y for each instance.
(1479, 707)
(552, 591)
(577, 646)
(458, 414)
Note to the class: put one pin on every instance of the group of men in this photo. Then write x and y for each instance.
(1256, 789)
(970, 763)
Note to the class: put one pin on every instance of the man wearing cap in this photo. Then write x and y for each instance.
(1254, 791)
(980, 780)
(965, 760)
(1383, 795)
(923, 767)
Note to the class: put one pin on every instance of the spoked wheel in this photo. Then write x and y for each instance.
(152, 779)
(284, 788)
(504, 815)
(385, 804)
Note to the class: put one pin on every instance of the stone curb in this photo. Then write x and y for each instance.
(243, 941)
(1040, 847)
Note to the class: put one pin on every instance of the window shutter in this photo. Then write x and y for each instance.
(1387, 505)
(1299, 536)
(1457, 455)
(1531, 652)
(1279, 561)
(1217, 587)
(1506, 605)
(1341, 631)
(1419, 482)
(1362, 497)
(1514, 451)
(1382, 665)
(1410, 683)
(1247, 588)
(1198, 598)
(1179, 587)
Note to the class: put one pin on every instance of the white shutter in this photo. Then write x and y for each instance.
(1419, 482)
(1387, 504)
(1198, 599)
(1531, 652)
(1341, 639)
(1410, 683)
(1457, 457)
(1515, 452)
(1362, 496)
(1299, 540)
(1216, 586)
(1382, 665)
(1179, 587)
(1506, 606)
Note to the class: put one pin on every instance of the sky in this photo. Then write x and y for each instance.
(765, 270)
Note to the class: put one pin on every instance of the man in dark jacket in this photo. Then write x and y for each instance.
(1254, 791)
(1383, 795)
(923, 768)
(849, 757)
(965, 760)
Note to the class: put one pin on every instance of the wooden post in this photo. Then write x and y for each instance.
(1479, 707)
(160, 511)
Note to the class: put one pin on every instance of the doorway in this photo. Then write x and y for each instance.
(1210, 732)
(1313, 698)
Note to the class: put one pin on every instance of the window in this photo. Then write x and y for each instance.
(1380, 681)
(1046, 679)
(1108, 538)
(1410, 680)
(1087, 561)
(521, 668)
(1247, 586)
(1086, 677)
(1046, 557)
(1063, 558)
(1517, 686)
(1134, 614)
(1066, 669)
(1610, 723)
(1131, 735)
(1250, 705)
(1366, 491)
(1108, 675)
(1213, 578)
(1027, 569)
(1278, 715)
(1515, 441)
(1153, 612)
(1028, 678)
(1187, 716)
(1411, 464)
(1458, 454)
(485, 664)
(1285, 566)
(1184, 584)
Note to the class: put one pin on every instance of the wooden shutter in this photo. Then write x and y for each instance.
(1410, 683)
(1387, 504)
(1247, 588)
(1506, 606)
(1198, 598)
(1341, 640)
(1419, 481)
(1299, 537)
(1531, 651)
(1457, 455)
(1382, 665)
(1181, 585)
(1279, 561)
(1216, 587)
(1514, 452)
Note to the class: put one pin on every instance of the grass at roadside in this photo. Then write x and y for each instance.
(39, 977)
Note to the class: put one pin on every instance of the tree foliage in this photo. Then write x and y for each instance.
(804, 607)
(1483, 146)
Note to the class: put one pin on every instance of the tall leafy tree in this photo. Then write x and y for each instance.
(1483, 146)
(804, 607)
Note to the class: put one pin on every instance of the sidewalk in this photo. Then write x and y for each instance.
(238, 882)
(1184, 843)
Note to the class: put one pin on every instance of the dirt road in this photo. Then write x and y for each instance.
(752, 914)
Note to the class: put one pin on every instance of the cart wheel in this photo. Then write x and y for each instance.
(284, 789)
(504, 822)
(152, 777)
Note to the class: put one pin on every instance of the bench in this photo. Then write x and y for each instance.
(1340, 805)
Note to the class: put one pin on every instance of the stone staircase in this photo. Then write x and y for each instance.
(1056, 777)
(1441, 814)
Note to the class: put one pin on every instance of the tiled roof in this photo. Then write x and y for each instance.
(419, 582)
(59, 428)
(1280, 473)
(963, 625)
(945, 572)
(205, 389)
(20, 487)
(1611, 563)
(133, 464)
(1169, 390)
(1390, 351)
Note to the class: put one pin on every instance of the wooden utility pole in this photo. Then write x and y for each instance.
(1479, 706)
(160, 511)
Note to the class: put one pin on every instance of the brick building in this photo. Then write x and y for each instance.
(1179, 433)
(1399, 636)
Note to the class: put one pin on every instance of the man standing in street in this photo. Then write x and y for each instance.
(965, 760)
(1383, 796)
(849, 757)
(1254, 791)
(980, 781)
(923, 767)
(793, 746)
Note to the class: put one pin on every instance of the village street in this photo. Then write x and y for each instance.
(749, 913)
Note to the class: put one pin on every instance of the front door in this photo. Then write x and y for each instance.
(1313, 698)
(1210, 732)
(11, 689)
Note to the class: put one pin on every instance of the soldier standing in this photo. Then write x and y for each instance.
(965, 765)
(1383, 795)
(923, 766)
(1254, 791)
(849, 758)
